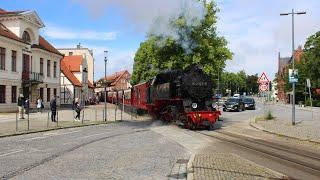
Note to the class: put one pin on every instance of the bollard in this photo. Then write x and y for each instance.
(57, 114)
(17, 120)
(28, 119)
(48, 120)
(95, 114)
(115, 113)
(102, 115)
(82, 116)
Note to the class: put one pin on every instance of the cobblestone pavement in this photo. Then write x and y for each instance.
(307, 123)
(125, 150)
(228, 166)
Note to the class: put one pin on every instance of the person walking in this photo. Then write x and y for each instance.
(26, 105)
(53, 108)
(39, 104)
(77, 108)
(21, 106)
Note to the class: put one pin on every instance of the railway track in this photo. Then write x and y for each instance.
(306, 161)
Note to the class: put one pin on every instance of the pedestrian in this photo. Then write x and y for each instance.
(77, 108)
(39, 105)
(21, 106)
(26, 105)
(53, 108)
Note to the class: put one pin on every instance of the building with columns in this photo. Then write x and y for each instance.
(29, 64)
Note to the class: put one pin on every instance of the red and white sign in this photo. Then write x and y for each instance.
(264, 83)
(263, 79)
(264, 87)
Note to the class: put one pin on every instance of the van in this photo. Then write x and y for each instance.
(236, 95)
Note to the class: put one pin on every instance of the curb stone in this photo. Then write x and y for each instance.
(257, 126)
(51, 129)
(190, 168)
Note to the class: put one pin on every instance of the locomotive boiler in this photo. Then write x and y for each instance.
(180, 96)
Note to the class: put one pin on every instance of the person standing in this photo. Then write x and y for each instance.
(39, 104)
(21, 106)
(53, 108)
(77, 108)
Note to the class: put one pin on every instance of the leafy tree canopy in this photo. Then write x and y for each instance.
(195, 43)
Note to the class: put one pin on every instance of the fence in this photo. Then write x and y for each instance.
(37, 121)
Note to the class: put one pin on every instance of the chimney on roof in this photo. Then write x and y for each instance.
(79, 46)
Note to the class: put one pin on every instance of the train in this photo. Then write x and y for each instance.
(183, 97)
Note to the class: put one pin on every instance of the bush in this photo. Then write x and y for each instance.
(315, 103)
(269, 116)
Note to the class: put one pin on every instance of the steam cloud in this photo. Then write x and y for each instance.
(149, 15)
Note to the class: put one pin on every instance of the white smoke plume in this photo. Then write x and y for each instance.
(148, 15)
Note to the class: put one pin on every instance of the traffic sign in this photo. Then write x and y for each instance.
(264, 87)
(263, 79)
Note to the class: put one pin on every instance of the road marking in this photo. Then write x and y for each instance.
(12, 152)
(83, 137)
(48, 135)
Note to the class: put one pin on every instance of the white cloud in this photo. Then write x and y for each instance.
(256, 32)
(57, 32)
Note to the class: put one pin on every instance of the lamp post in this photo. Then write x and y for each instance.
(105, 85)
(293, 84)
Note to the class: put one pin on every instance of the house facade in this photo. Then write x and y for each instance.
(88, 56)
(74, 80)
(29, 64)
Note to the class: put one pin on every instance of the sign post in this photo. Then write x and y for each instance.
(263, 83)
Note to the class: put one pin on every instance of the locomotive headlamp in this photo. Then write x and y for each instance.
(194, 105)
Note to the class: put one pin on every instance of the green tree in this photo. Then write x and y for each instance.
(312, 58)
(195, 44)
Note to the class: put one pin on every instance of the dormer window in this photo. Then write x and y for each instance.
(26, 37)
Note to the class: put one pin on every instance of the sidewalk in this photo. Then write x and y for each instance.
(9, 124)
(227, 166)
(307, 125)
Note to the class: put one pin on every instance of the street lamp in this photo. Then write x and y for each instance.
(105, 85)
(293, 84)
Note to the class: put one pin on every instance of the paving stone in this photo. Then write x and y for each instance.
(228, 166)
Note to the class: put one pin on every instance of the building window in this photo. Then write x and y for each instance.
(48, 94)
(41, 93)
(48, 68)
(2, 94)
(14, 94)
(14, 61)
(55, 92)
(54, 69)
(26, 37)
(70, 53)
(2, 58)
(41, 66)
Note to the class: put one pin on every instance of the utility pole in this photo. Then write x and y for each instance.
(293, 49)
(105, 85)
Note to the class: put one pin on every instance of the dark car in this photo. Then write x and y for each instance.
(249, 103)
(234, 104)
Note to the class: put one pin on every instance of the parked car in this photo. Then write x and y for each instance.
(234, 104)
(249, 103)
(236, 95)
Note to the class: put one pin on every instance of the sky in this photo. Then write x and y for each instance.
(254, 29)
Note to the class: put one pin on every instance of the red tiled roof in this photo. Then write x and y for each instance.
(90, 85)
(45, 45)
(4, 12)
(119, 77)
(113, 77)
(4, 31)
(70, 76)
(73, 62)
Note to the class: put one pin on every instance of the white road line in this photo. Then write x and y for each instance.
(48, 135)
(12, 152)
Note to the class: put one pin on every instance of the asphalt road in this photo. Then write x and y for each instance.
(127, 150)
